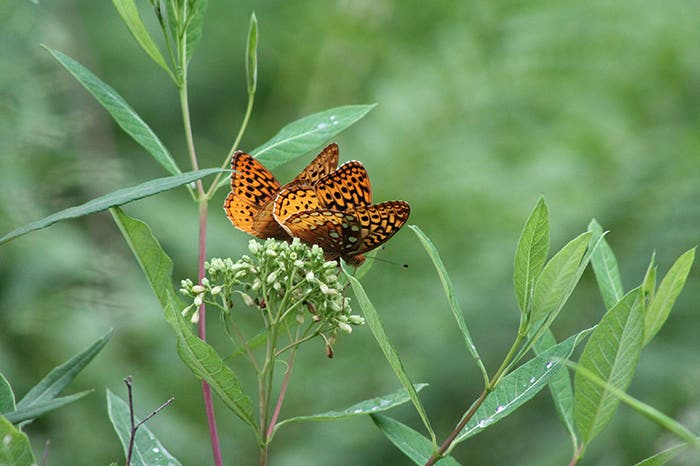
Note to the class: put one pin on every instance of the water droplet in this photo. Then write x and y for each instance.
(321, 125)
(499, 409)
(7, 439)
(482, 424)
(335, 122)
(155, 450)
(532, 380)
(332, 117)
(549, 364)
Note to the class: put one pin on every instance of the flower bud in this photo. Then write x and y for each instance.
(344, 327)
(198, 289)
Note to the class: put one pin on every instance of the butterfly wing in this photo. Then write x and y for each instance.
(294, 199)
(323, 164)
(322, 227)
(372, 226)
(346, 188)
(249, 204)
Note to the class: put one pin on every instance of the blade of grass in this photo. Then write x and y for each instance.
(377, 327)
(115, 198)
(125, 116)
(451, 298)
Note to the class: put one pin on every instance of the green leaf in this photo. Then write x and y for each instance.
(115, 198)
(520, 386)
(665, 297)
(611, 353)
(558, 279)
(147, 449)
(15, 449)
(451, 298)
(664, 456)
(7, 396)
(43, 406)
(373, 405)
(201, 358)
(649, 282)
(307, 134)
(418, 448)
(195, 22)
(251, 63)
(560, 388)
(377, 327)
(130, 15)
(62, 375)
(123, 114)
(642, 408)
(605, 267)
(531, 253)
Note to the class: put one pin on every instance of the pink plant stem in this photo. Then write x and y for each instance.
(280, 399)
(206, 389)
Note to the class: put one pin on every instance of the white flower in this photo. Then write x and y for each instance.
(344, 327)
(272, 277)
(310, 276)
(198, 289)
(216, 290)
(195, 317)
(198, 300)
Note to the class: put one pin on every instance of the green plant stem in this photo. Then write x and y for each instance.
(577, 456)
(215, 183)
(502, 371)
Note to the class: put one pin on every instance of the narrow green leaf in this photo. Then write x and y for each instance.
(649, 282)
(558, 279)
(664, 456)
(115, 198)
(308, 133)
(531, 253)
(7, 396)
(665, 297)
(560, 388)
(147, 449)
(416, 447)
(605, 267)
(520, 386)
(15, 449)
(642, 408)
(611, 353)
(377, 327)
(373, 405)
(451, 298)
(62, 375)
(43, 406)
(251, 63)
(195, 23)
(130, 15)
(123, 114)
(201, 358)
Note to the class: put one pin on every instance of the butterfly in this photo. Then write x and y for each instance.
(348, 232)
(250, 203)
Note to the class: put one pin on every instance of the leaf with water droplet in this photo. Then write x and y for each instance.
(147, 448)
(510, 392)
(372, 405)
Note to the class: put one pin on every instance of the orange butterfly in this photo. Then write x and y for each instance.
(253, 190)
(337, 214)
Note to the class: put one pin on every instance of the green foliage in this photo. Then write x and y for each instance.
(147, 449)
(43, 397)
(531, 254)
(605, 267)
(251, 62)
(200, 357)
(611, 353)
(14, 448)
(411, 443)
(125, 116)
(119, 197)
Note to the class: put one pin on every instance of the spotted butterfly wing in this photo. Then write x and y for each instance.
(252, 189)
(349, 234)
(249, 206)
(346, 188)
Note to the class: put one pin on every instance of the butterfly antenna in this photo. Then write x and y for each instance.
(405, 266)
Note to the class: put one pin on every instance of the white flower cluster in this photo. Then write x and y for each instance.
(287, 280)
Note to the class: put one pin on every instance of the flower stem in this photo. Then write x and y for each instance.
(283, 390)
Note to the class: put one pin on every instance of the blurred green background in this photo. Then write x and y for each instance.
(483, 107)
